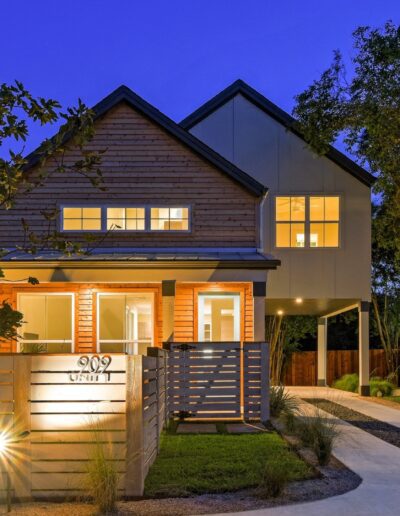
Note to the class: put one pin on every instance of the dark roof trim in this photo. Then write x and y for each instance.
(240, 87)
(112, 264)
(124, 94)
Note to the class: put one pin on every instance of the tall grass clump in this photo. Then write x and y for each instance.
(319, 433)
(281, 402)
(102, 475)
(274, 478)
(380, 387)
(347, 382)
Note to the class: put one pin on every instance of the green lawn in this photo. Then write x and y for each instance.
(196, 464)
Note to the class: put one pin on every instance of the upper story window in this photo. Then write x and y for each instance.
(290, 221)
(311, 221)
(81, 219)
(131, 219)
(169, 219)
(324, 221)
(125, 218)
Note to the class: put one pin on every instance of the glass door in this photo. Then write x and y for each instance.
(219, 317)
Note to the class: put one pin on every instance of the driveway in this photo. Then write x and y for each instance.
(375, 461)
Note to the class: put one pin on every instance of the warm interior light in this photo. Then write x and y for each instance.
(280, 312)
(299, 300)
(3, 443)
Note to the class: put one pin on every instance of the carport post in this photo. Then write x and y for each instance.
(322, 351)
(363, 347)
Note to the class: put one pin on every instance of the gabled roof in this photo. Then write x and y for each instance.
(271, 109)
(124, 94)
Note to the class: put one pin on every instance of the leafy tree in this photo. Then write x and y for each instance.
(365, 112)
(18, 109)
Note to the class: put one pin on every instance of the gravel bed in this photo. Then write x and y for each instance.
(380, 429)
(334, 479)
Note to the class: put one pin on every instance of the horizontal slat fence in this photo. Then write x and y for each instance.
(223, 380)
(302, 366)
(68, 407)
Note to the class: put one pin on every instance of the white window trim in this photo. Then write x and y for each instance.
(126, 341)
(307, 221)
(59, 341)
(103, 207)
(236, 306)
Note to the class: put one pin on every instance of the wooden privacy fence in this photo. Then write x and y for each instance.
(219, 380)
(66, 406)
(302, 366)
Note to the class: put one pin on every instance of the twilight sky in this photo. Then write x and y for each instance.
(176, 53)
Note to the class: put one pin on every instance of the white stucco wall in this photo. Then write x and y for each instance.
(261, 146)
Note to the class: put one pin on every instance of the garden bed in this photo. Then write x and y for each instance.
(380, 429)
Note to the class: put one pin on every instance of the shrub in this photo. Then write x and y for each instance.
(319, 433)
(380, 387)
(274, 478)
(289, 419)
(281, 401)
(347, 382)
(102, 477)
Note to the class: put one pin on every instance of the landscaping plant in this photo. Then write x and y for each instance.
(102, 476)
(380, 387)
(274, 478)
(347, 382)
(318, 432)
(281, 401)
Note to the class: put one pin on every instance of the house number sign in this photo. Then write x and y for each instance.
(91, 369)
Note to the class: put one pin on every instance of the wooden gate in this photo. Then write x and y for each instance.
(225, 380)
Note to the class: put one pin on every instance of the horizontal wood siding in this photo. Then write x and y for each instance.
(144, 164)
(185, 324)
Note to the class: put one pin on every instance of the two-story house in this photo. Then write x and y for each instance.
(203, 229)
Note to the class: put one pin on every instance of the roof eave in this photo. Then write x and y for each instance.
(130, 264)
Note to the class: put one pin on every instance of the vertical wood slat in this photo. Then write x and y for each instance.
(301, 368)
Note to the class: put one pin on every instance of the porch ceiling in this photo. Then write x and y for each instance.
(317, 307)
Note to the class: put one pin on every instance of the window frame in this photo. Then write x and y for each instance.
(307, 221)
(126, 293)
(168, 231)
(147, 220)
(58, 341)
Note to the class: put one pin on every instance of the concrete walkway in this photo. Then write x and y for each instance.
(377, 463)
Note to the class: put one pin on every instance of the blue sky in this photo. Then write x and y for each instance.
(176, 53)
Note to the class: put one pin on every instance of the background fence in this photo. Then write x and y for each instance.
(302, 366)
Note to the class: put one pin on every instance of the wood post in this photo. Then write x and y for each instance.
(20, 465)
(134, 476)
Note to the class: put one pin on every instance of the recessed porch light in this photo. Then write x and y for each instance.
(299, 300)
(280, 312)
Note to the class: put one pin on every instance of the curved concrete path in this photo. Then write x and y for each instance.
(377, 463)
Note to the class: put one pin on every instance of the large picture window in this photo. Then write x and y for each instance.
(307, 221)
(48, 325)
(125, 322)
(219, 317)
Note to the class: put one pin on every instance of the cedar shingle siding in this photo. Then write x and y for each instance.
(144, 164)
